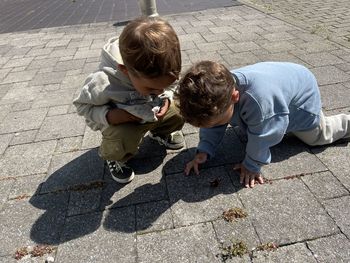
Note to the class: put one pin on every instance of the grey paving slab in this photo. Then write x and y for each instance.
(194, 200)
(4, 142)
(336, 158)
(23, 137)
(71, 169)
(35, 156)
(23, 120)
(330, 75)
(335, 96)
(61, 126)
(92, 237)
(46, 78)
(293, 253)
(5, 187)
(240, 230)
(148, 185)
(291, 157)
(58, 110)
(320, 59)
(339, 210)
(21, 93)
(286, 212)
(53, 98)
(324, 185)
(91, 138)
(26, 186)
(38, 220)
(195, 243)
(331, 249)
(69, 144)
(14, 77)
(153, 216)
(84, 201)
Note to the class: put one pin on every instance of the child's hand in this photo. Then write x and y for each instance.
(163, 109)
(198, 159)
(247, 177)
(118, 116)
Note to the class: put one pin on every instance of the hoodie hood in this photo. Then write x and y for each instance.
(110, 55)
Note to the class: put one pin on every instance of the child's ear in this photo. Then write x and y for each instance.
(235, 96)
(123, 69)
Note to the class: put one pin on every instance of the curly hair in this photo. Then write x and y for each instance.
(150, 48)
(204, 92)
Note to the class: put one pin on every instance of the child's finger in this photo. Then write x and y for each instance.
(188, 169)
(260, 179)
(237, 167)
(246, 181)
(252, 182)
(241, 178)
(195, 167)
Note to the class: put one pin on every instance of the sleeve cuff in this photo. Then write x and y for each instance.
(252, 165)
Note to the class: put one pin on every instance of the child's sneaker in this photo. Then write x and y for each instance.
(174, 141)
(120, 172)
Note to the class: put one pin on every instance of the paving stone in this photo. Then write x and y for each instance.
(317, 46)
(23, 137)
(148, 185)
(72, 169)
(335, 96)
(22, 106)
(292, 253)
(36, 156)
(285, 212)
(280, 46)
(5, 188)
(57, 43)
(338, 208)
(336, 158)
(84, 201)
(26, 186)
(278, 36)
(53, 98)
(60, 52)
(5, 141)
(330, 75)
(324, 185)
(153, 216)
(70, 144)
(21, 93)
(38, 220)
(240, 230)
(194, 200)
(331, 249)
(69, 65)
(93, 237)
(291, 157)
(243, 47)
(23, 120)
(61, 126)
(20, 62)
(19, 76)
(91, 139)
(241, 59)
(175, 163)
(320, 59)
(43, 63)
(196, 243)
(48, 78)
(58, 110)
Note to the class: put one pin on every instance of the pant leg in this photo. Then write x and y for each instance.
(121, 142)
(330, 129)
(172, 121)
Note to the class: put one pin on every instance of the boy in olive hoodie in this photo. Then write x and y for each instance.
(129, 95)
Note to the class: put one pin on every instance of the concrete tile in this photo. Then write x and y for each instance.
(69, 65)
(71, 169)
(291, 157)
(53, 98)
(331, 249)
(195, 243)
(280, 46)
(26, 159)
(286, 212)
(5, 141)
(43, 63)
(335, 96)
(5, 188)
(339, 210)
(148, 185)
(61, 126)
(194, 200)
(23, 120)
(98, 237)
(19, 62)
(19, 76)
(58, 110)
(188, 129)
(48, 78)
(91, 139)
(320, 59)
(243, 47)
(21, 93)
(153, 216)
(23, 137)
(330, 75)
(27, 186)
(84, 201)
(324, 185)
(241, 230)
(70, 144)
(336, 158)
(292, 253)
(29, 222)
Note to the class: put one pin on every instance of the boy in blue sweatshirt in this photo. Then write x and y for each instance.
(266, 100)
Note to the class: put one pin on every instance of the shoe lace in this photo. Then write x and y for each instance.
(115, 166)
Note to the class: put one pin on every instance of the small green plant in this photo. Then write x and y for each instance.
(237, 249)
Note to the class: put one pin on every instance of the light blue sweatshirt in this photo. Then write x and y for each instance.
(275, 98)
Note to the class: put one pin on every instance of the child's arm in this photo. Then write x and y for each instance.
(209, 139)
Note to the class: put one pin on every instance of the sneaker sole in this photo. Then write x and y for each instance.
(123, 181)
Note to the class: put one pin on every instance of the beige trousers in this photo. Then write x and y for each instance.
(330, 129)
(121, 142)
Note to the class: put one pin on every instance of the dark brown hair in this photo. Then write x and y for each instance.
(204, 92)
(150, 48)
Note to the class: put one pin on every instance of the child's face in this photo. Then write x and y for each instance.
(221, 119)
(146, 86)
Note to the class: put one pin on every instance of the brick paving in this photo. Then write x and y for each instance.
(55, 190)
